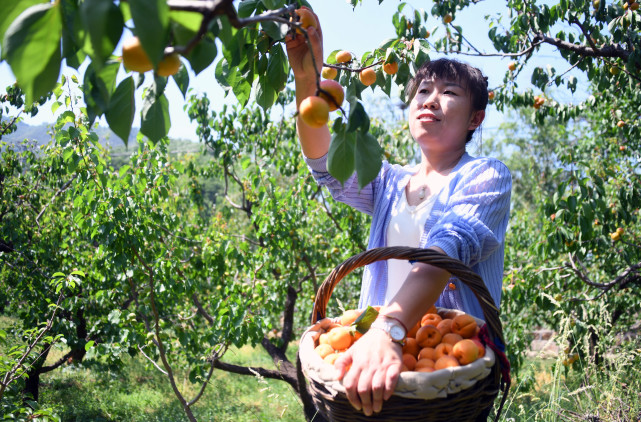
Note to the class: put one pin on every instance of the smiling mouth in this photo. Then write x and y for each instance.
(428, 118)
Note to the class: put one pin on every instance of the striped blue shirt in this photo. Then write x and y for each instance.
(468, 221)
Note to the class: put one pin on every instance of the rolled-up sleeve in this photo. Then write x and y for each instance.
(348, 192)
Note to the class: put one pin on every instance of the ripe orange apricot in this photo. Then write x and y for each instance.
(413, 330)
(306, 19)
(491, 95)
(446, 362)
(447, 19)
(334, 89)
(465, 351)
(169, 65)
(134, 57)
(390, 68)
(409, 361)
(428, 336)
(443, 349)
(329, 72)
(411, 347)
(343, 56)
(425, 369)
(340, 338)
(479, 345)
(427, 353)
(620, 123)
(331, 358)
(324, 350)
(349, 316)
(445, 326)
(431, 319)
(314, 111)
(367, 76)
(465, 325)
(451, 338)
(323, 338)
(424, 363)
(512, 66)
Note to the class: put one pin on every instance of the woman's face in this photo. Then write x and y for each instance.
(441, 115)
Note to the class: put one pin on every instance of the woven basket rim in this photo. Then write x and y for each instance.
(411, 384)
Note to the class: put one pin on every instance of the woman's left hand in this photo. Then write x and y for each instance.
(369, 370)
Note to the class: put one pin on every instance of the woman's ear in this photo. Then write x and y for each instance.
(477, 118)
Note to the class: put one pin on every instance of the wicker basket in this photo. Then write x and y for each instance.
(472, 401)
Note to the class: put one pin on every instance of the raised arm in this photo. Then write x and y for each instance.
(314, 141)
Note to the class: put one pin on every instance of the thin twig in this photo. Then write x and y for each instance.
(62, 189)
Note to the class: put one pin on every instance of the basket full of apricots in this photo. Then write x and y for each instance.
(449, 369)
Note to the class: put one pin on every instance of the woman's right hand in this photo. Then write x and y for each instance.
(300, 56)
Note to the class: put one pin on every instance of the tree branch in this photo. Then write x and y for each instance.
(250, 370)
(612, 50)
(62, 189)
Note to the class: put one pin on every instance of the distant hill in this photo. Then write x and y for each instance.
(41, 134)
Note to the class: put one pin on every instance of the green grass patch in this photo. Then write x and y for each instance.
(139, 392)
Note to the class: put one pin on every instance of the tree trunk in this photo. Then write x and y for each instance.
(32, 382)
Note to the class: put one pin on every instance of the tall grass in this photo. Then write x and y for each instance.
(547, 389)
(573, 387)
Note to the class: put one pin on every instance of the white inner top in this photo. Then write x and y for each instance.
(405, 229)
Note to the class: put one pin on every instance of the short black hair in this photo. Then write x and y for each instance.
(470, 78)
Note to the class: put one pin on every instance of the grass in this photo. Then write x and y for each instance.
(138, 392)
(543, 390)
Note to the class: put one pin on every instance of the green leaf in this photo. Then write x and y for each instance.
(277, 67)
(120, 114)
(155, 122)
(189, 20)
(31, 44)
(358, 118)
(151, 21)
(265, 95)
(367, 158)
(340, 158)
(98, 85)
(247, 7)
(47, 80)
(104, 23)
(58, 275)
(276, 31)
(365, 320)
(182, 80)
(89, 345)
(78, 272)
(202, 55)
(273, 4)
(11, 9)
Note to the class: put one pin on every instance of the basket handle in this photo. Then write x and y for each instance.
(426, 256)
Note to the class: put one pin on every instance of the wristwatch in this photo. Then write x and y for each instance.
(393, 328)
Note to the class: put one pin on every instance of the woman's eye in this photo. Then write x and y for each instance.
(448, 92)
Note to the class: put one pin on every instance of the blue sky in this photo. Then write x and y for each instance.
(358, 31)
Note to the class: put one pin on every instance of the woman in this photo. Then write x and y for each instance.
(451, 202)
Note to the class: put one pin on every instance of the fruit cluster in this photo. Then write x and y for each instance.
(314, 110)
(135, 59)
(616, 235)
(438, 341)
(538, 102)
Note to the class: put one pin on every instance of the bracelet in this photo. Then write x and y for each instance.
(397, 320)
